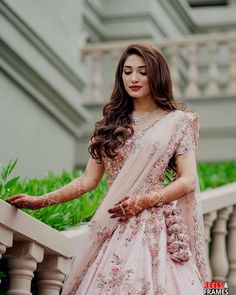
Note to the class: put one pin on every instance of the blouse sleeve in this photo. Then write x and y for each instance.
(189, 134)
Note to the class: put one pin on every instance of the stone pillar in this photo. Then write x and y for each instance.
(6, 240)
(231, 87)
(219, 259)
(22, 262)
(231, 249)
(209, 218)
(212, 87)
(192, 89)
(174, 52)
(96, 78)
(51, 273)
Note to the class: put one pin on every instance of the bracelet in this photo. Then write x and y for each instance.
(137, 206)
(162, 199)
(49, 200)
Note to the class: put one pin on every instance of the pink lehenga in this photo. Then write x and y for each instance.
(149, 253)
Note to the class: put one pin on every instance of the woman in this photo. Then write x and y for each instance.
(145, 238)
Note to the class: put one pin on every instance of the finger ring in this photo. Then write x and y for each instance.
(123, 211)
(132, 212)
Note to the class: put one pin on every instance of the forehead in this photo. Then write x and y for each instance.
(134, 61)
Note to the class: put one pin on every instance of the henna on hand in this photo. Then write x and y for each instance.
(25, 201)
(132, 206)
(70, 191)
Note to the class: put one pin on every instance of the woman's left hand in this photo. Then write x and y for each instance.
(135, 204)
(130, 206)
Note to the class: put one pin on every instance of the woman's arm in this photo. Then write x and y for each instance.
(83, 184)
(185, 183)
(186, 178)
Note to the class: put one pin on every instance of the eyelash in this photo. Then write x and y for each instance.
(128, 73)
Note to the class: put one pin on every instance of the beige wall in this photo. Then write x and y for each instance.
(29, 133)
(41, 85)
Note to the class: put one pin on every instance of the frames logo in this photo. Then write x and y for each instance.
(216, 288)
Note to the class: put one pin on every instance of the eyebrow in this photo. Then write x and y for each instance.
(131, 67)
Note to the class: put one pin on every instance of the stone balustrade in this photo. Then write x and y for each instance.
(219, 208)
(200, 65)
(31, 247)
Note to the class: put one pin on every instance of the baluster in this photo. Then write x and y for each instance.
(51, 273)
(96, 73)
(231, 88)
(174, 61)
(212, 87)
(192, 89)
(22, 262)
(115, 55)
(209, 218)
(6, 240)
(231, 249)
(219, 260)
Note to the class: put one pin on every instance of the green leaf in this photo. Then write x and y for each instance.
(12, 182)
(12, 166)
(6, 171)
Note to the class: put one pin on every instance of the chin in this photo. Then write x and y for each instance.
(136, 95)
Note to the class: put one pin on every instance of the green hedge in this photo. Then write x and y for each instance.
(61, 216)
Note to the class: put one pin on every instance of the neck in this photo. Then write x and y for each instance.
(142, 106)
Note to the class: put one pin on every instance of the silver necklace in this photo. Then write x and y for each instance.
(139, 120)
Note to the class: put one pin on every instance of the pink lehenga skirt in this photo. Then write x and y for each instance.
(135, 260)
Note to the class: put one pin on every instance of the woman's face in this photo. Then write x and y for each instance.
(134, 77)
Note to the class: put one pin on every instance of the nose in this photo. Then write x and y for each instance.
(134, 77)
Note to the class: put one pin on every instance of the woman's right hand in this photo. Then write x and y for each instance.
(26, 201)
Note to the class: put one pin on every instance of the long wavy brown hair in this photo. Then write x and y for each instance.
(115, 127)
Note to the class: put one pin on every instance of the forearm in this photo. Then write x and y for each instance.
(72, 190)
(172, 192)
(178, 188)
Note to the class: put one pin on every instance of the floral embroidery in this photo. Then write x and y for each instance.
(161, 291)
(119, 278)
(101, 234)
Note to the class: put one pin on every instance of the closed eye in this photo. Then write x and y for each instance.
(142, 73)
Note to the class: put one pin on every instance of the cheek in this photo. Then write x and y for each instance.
(125, 80)
(145, 82)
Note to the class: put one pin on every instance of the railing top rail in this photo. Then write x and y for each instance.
(219, 198)
(33, 229)
(185, 40)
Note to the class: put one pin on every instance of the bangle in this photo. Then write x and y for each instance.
(45, 200)
(162, 199)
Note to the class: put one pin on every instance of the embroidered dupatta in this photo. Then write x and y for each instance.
(140, 160)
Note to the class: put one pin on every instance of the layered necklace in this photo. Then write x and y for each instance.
(139, 120)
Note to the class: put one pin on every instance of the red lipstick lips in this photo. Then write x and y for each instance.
(135, 88)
